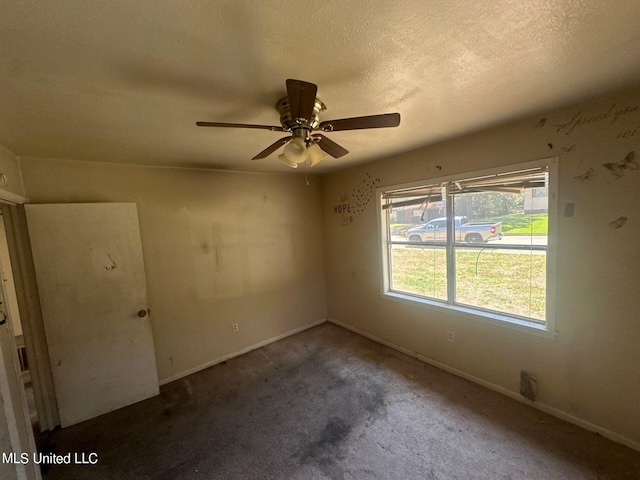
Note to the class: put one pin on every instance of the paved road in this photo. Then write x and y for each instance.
(506, 240)
(521, 240)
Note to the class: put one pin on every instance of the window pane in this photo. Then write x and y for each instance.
(522, 217)
(431, 232)
(419, 270)
(499, 237)
(509, 281)
(412, 220)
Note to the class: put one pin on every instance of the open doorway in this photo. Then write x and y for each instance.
(41, 389)
(13, 312)
(15, 420)
(56, 257)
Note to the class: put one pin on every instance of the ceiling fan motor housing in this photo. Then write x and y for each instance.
(292, 124)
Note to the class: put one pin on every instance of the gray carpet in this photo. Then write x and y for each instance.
(327, 403)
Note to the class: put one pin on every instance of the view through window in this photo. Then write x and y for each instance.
(478, 241)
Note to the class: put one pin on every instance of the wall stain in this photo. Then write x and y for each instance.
(568, 149)
(618, 223)
(541, 123)
(113, 265)
(587, 176)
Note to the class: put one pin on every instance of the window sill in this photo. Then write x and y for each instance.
(490, 318)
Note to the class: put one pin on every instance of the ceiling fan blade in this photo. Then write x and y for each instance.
(241, 125)
(356, 123)
(302, 99)
(272, 148)
(330, 147)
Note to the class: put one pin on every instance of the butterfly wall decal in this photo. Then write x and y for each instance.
(618, 169)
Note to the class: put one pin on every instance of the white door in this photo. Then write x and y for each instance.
(93, 295)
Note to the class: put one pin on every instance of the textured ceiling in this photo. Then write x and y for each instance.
(125, 81)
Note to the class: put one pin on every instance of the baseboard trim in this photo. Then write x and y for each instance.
(224, 358)
(555, 412)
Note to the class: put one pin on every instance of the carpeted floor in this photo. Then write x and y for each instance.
(327, 403)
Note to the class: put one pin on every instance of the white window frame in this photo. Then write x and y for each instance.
(544, 329)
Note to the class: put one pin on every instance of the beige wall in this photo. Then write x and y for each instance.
(590, 371)
(219, 248)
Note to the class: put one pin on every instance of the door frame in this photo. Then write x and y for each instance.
(16, 410)
(35, 340)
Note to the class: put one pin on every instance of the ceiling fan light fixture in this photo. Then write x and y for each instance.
(282, 157)
(316, 154)
(295, 151)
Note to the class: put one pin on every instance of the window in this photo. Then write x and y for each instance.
(480, 244)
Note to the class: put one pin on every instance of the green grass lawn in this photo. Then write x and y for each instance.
(532, 223)
(400, 229)
(512, 282)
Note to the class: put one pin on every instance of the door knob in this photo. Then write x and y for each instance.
(142, 313)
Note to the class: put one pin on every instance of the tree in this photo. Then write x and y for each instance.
(484, 205)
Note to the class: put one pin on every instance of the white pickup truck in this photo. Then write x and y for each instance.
(435, 231)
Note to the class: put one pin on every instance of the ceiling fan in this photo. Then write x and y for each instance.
(299, 112)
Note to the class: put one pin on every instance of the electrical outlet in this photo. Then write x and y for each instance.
(234, 327)
(450, 337)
